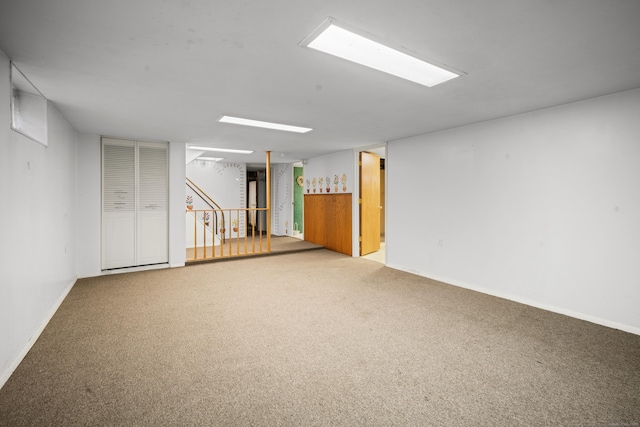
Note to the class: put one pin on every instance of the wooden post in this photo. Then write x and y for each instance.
(268, 177)
(204, 234)
(195, 235)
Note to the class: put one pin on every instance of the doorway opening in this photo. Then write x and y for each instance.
(298, 201)
(372, 200)
(256, 198)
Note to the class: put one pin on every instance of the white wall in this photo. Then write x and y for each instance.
(225, 183)
(89, 205)
(177, 170)
(323, 167)
(282, 199)
(542, 208)
(37, 228)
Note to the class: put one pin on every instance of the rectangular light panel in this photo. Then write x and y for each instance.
(267, 125)
(337, 41)
(223, 150)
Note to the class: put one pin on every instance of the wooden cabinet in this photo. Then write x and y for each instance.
(327, 221)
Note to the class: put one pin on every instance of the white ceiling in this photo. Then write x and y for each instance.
(167, 69)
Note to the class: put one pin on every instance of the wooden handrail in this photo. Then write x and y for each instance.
(205, 194)
(201, 193)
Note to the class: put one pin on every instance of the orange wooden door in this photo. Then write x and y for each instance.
(370, 203)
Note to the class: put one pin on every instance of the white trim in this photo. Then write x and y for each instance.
(136, 268)
(36, 334)
(162, 266)
(552, 308)
(355, 206)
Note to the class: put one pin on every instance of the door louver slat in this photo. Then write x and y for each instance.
(119, 175)
(152, 185)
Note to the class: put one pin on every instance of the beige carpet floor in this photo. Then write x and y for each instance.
(315, 339)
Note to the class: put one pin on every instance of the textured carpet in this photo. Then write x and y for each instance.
(315, 338)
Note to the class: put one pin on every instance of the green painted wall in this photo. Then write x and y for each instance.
(297, 199)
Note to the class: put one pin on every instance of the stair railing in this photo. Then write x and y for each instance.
(247, 240)
(211, 203)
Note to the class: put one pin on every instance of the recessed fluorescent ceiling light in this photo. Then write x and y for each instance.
(212, 159)
(334, 40)
(224, 150)
(259, 124)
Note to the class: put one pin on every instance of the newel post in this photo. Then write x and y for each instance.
(268, 177)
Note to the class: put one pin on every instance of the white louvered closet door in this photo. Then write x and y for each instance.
(152, 227)
(134, 203)
(118, 203)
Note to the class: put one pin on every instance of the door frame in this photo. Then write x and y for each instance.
(378, 148)
(294, 185)
(370, 202)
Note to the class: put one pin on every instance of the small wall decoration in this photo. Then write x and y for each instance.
(313, 184)
(336, 180)
(328, 185)
(308, 185)
(320, 181)
(300, 180)
(189, 202)
(222, 167)
(344, 182)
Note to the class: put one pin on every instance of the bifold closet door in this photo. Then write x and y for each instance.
(152, 221)
(118, 203)
(134, 203)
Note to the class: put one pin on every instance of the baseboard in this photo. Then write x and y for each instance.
(575, 314)
(4, 377)
(135, 269)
